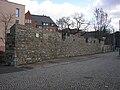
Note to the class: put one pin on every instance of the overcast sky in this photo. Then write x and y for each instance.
(59, 8)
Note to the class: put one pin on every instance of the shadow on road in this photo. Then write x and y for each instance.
(9, 69)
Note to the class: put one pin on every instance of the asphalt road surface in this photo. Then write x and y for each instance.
(94, 72)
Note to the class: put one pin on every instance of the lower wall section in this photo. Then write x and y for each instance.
(29, 45)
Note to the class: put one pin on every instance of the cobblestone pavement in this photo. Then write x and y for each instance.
(98, 72)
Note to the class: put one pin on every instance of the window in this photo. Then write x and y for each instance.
(39, 27)
(47, 24)
(17, 22)
(17, 12)
(28, 21)
(52, 24)
(25, 20)
(44, 24)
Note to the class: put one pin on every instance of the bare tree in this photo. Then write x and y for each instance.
(80, 22)
(75, 21)
(68, 22)
(60, 23)
(101, 21)
(64, 22)
(6, 19)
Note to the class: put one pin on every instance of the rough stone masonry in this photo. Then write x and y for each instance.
(28, 45)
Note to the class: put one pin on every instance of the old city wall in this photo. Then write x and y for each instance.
(28, 45)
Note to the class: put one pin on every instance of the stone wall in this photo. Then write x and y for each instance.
(27, 45)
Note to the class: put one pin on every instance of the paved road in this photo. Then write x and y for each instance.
(95, 72)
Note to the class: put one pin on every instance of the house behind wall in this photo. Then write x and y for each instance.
(40, 21)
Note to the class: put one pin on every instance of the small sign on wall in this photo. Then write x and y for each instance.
(37, 34)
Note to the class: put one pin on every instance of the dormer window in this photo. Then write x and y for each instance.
(52, 24)
(46, 24)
